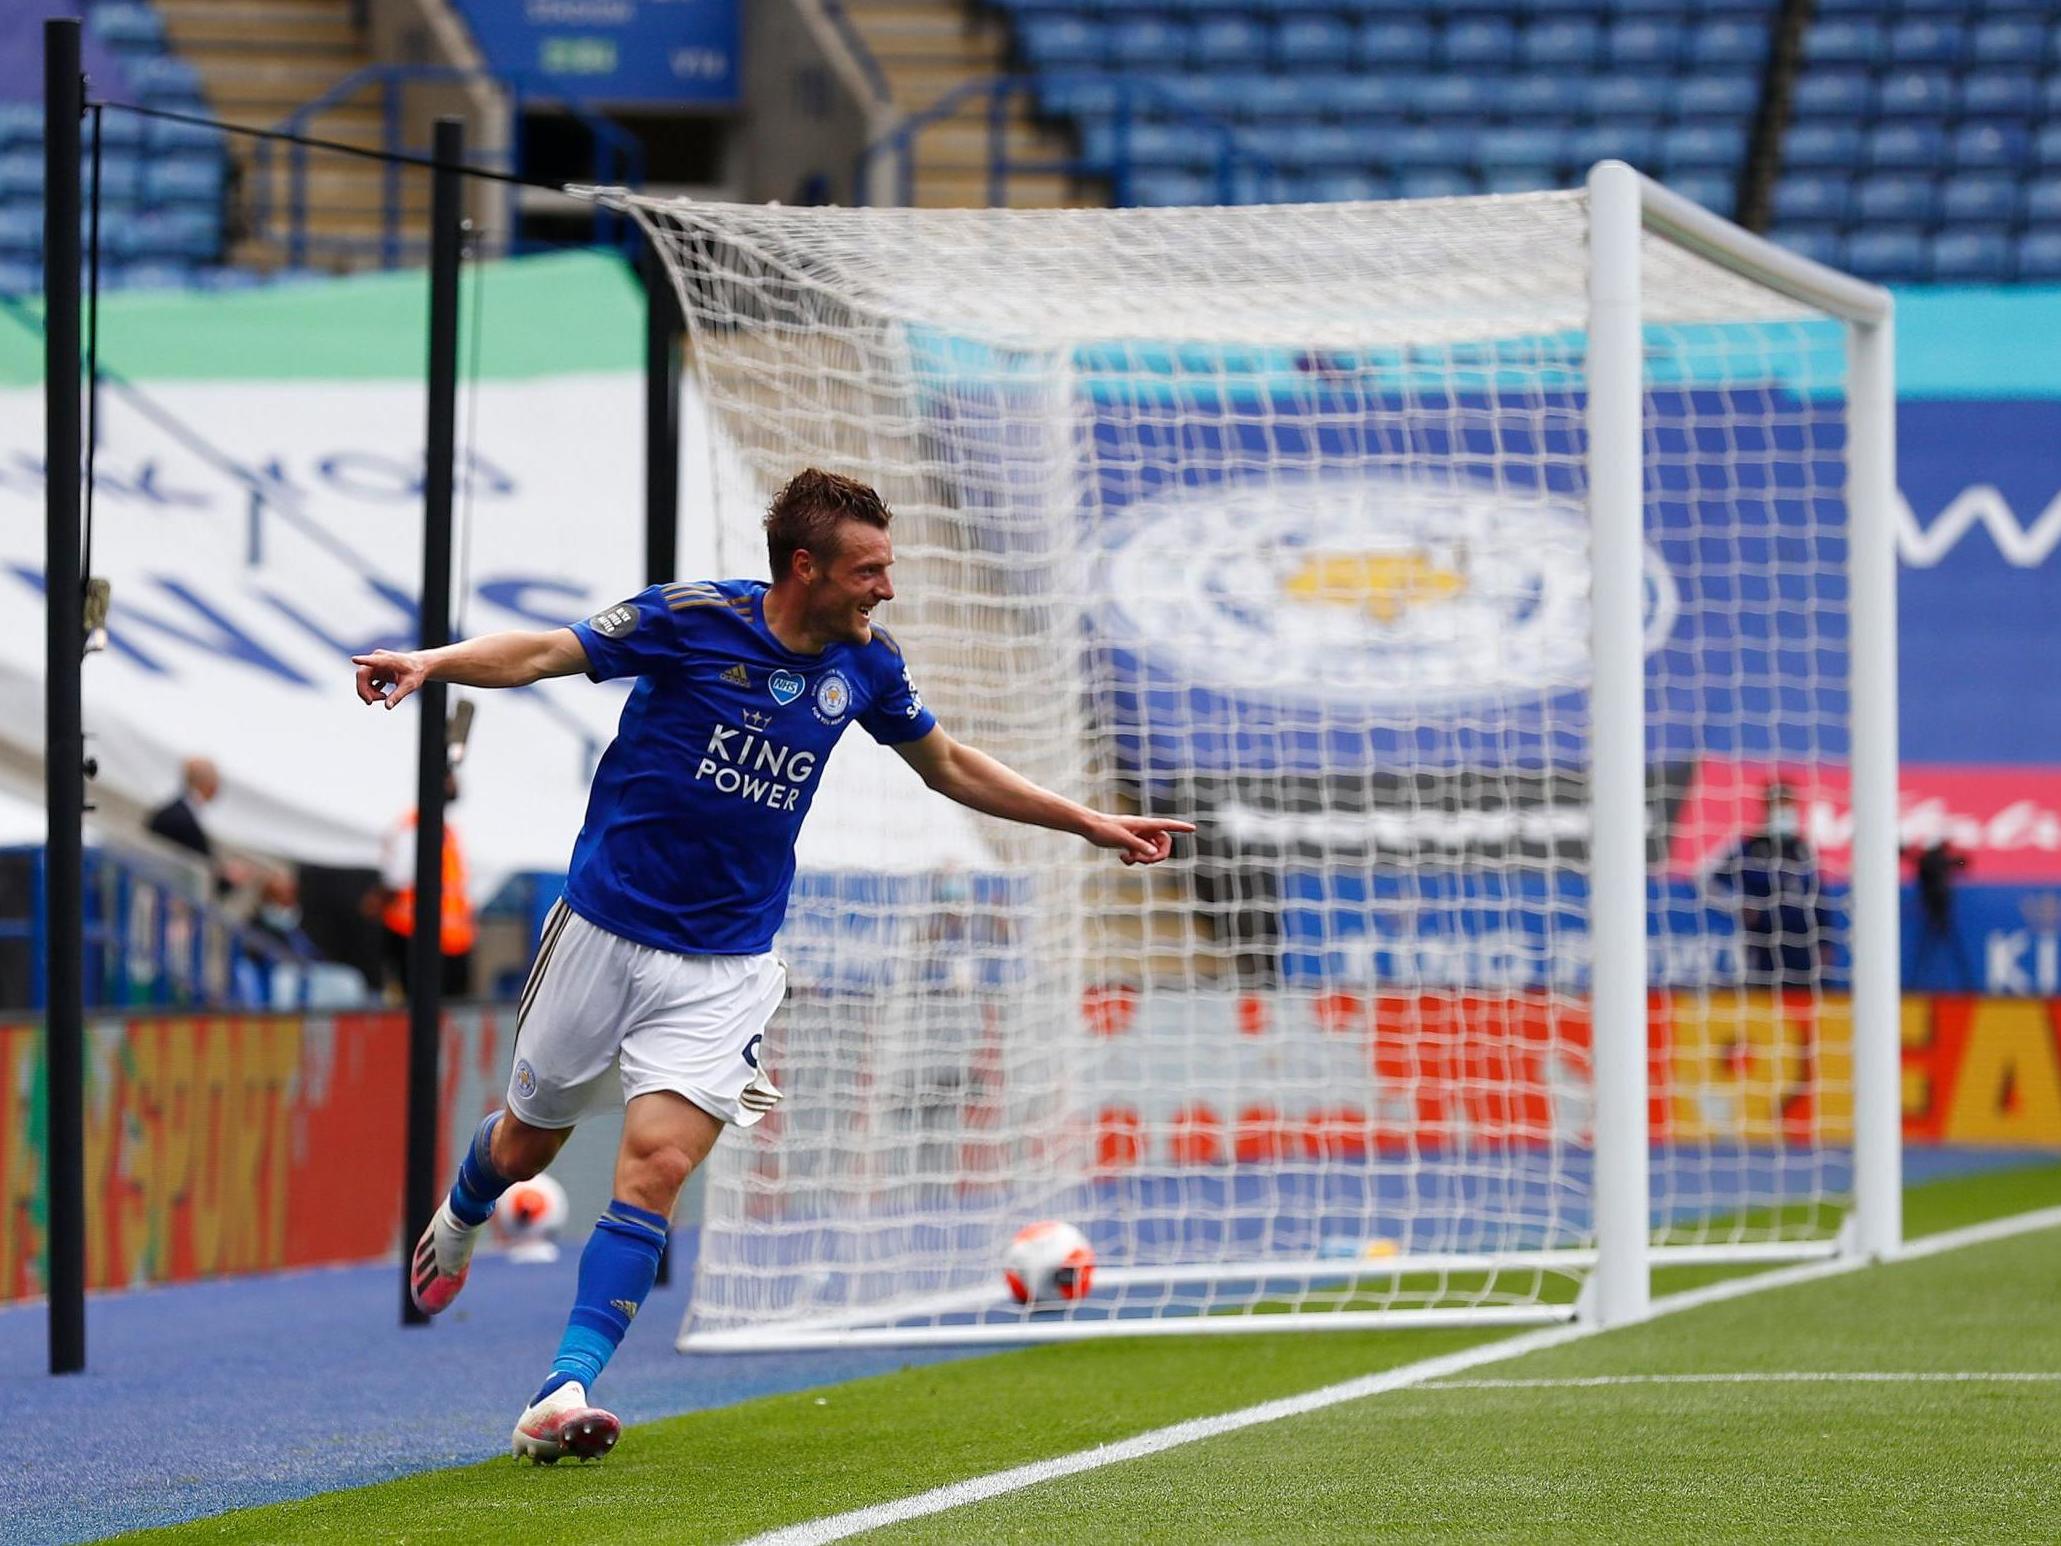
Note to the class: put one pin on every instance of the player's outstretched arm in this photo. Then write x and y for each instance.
(978, 781)
(513, 659)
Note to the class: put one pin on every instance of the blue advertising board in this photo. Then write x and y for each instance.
(682, 52)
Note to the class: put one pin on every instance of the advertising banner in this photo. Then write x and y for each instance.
(660, 51)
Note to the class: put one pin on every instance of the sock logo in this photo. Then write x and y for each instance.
(627, 1306)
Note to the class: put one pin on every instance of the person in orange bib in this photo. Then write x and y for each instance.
(459, 930)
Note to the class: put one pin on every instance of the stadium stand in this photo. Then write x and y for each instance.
(1925, 141)
(1372, 98)
(163, 185)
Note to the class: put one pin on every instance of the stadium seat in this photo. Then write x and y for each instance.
(1916, 94)
(19, 278)
(2039, 256)
(1831, 146)
(1822, 246)
(1967, 257)
(1560, 45)
(1160, 186)
(1146, 43)
(21, 174)
(1540, 98)
(1520, 179)
(1984, 199)
(154, 274)
(1364, 98)
(2008, 40)
(21, 123)
(1998, 144)
(1445, 183)
(1427, 148)
(1393, 42)
(165, 80)
(1642, 43)
(1725, 42)
(1451, 96)
(1229, 41)
(1340, 187)
(1810, 198)
(1906, 146)
(1897, 198)
(1833, 94)
(184, 180)
(1926, 41)
(1306, 42)
(1627, 97)
(1898, 255)
(1635, 143)
(2043, 202)
(1715, 193)
(1998, 94)
(1479, 43)
(163, 134)
(1519, 147)
(1731, 98)
(21, 230)
(1845, 40)
(1051, 41)
(127, 28)
(1330, 147)
(1696, 147)
(2046, 147)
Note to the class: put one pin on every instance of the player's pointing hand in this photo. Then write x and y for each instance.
(1139, 839)
(388, 676)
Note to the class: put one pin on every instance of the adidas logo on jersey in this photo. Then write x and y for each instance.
(738, 675)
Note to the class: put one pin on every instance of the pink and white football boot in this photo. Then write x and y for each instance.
(564, 1423)
(443, 1258)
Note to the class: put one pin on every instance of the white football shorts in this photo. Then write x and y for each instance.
(596, 1003)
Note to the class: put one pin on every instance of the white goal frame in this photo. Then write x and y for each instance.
(1624, 211)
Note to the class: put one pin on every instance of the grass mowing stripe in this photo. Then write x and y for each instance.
(938, 1500)
(1770, 1377)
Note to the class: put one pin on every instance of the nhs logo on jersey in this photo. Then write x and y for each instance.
(785, 686)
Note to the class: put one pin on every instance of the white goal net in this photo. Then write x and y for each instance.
(1280, 519)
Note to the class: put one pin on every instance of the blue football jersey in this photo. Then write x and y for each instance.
(688, 843)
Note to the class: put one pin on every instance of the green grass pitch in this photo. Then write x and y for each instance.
(1513, 1451)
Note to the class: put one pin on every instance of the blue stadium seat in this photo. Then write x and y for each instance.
(1229, 40)
(1640, 42)
(1526, 147)
(1340, 187)
(1631, 142)
(1925, 41)
(2008, 40)
(1270, 98)
(20, 278)
(1971, 257)
(1364, 98)
(123, 131)
(1997, 94)
(2050, 95)
(1833, 94)
(21, 174)
(1479, 43)
(21, 230)
(1160, 186)
(1703, 147)
(1103, 144)
(1061, 40)
(1897, 198)
(154, 274)
(1560, 45)
(1627, 96)
(1808, 198)
(2043, 202)
(1540, 98)
(1981, 199)
(1830, 146)
(1520, 179)
(1915, 94)
(1302, 42)
(1088, 95)
(165, 135)
(21, 123)
(1332, 146)
(1392, 41)
(121, 176)
(1715, 193)
(1731, 98)
(1822, 246)
(1887, 254)
(1146, 43)
(1450, 96)
(127, 28)
(1999, 144)
(165, 80)
(1442, 183)
(2046, 148)
(2039, 255)
(1906, 146)
(1724, 42)
(1845, 40)
(184, 180)
(1426, 148)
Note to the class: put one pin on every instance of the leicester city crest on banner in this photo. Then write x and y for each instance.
(833, 698)
(785, 686)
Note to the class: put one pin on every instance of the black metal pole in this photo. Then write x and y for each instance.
(425, 945)
(662, 328)
(65, 748)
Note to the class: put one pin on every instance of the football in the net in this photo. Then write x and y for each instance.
(1048, 1263)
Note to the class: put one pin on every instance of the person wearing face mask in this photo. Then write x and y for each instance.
(1774, 875)
(278, 915)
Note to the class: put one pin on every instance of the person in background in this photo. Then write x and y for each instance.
(278, 915)
(1935, 867)
(177, 821)
(1774, 875)
(459, 930)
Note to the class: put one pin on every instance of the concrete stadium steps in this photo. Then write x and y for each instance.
(928, 48)
(261, 61)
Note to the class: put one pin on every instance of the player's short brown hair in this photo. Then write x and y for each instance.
(809, 510)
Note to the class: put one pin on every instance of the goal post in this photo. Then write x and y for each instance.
(1490, 578)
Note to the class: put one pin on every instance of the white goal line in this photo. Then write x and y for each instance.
(979, 1489)
(1766, 1377)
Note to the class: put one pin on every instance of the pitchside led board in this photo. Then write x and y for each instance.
(1419, 662)
(683, 52)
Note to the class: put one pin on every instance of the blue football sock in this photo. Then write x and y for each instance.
(479, 1184)
(617, 1270)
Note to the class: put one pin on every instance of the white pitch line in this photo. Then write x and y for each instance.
(1772, 1377)
(978, 1489)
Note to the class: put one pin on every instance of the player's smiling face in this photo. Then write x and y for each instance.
(843, 593)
